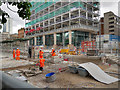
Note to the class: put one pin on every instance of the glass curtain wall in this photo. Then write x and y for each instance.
(78, 37)
(59, 39)
(31, 41)
(39, 40)
(49, 40)
(66, 38)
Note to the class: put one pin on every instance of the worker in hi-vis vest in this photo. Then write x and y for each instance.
(41, 64)
(17, 54)
(41, 54)
(53, 52)
(13, 53)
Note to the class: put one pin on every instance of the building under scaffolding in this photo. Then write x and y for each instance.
(60, 23)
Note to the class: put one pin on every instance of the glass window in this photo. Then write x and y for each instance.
(78, 37)
(39, 40)
(59, 39)
(31, 41)
(66, 38)
(49, 40)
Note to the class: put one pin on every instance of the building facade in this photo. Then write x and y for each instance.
(111, 24)
(4, 36)
(101, 26)
(109, 43)
(8, 26)
(13, 36)
(62, 23)
(21, 33)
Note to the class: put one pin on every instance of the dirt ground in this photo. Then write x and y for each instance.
(68, 80)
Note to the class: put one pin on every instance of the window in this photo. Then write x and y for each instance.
(111, 18)
(39, 40)
(111, 26)
(110, 14)
(105, 41)
(111, 22)
(111, 30)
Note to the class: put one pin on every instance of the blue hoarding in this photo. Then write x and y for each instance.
(114, 38)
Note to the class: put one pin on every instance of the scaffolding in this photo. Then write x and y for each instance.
(40, 6)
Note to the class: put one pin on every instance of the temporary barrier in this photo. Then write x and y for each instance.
(85, 45)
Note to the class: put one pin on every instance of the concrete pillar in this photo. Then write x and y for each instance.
(89, 36)
(28, 42)
(43, 39)
(54, 38)
(35, 41)
(70, 37)
(63, 39)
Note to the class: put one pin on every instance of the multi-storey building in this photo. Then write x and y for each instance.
(21, 33)
(111, 24)
(4, 36)
(62, 23)
(7, 27)
(101, 32)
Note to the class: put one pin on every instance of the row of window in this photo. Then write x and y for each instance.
(63, 38)
(75, 21)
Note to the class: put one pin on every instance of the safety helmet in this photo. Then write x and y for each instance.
(17, 48)
(52, 48)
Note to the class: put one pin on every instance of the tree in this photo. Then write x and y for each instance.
(23, 9)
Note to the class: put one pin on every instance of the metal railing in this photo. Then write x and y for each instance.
(68, 28)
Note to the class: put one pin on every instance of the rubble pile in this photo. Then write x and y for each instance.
(113, 59)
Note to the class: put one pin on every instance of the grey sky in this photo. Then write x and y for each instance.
(105, 6)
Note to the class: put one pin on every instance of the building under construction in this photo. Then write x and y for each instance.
(60, 23)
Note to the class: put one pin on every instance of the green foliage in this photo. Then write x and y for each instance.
(23, 10)
(4, 20)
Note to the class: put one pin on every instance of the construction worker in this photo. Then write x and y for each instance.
(13, 53)
(17, 54)
(41, 64)
(53, 52)
(41, 54)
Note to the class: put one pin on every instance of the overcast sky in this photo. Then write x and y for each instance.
(105, 6)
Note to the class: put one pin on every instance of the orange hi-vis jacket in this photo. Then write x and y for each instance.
(52, 51)
(53, 54)
(42, 62)
(13, 53)
(17, 52)
(41, 54)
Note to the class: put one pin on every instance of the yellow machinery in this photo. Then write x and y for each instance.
(71, 52)
(64, 51)
(67, 51)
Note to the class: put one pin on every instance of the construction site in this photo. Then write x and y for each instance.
(61, 49)
(67, 68)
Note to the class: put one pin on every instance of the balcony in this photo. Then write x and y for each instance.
(75, 16)
(58, 21)
(83, 16)
(89, 18)
(51, 23)
(65, 19)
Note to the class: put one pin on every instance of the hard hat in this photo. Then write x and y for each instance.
(52, 48)
(17, 48)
